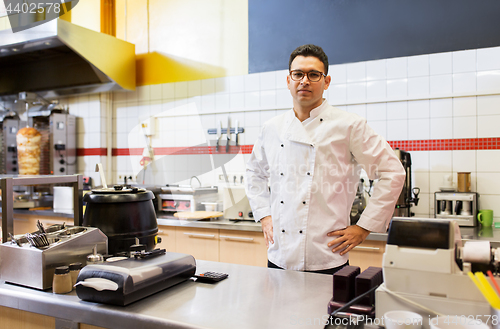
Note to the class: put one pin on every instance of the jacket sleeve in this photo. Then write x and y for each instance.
(257, 178)
(377, 158)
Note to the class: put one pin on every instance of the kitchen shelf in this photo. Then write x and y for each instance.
(7, 182)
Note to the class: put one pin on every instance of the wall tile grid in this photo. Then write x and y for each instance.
(443, 108)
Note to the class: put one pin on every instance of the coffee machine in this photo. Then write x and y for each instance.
(460, 206)
(409, 195)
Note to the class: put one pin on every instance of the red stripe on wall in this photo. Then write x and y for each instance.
(91, 151)
(448, 144)
(127, 151)
(412, 145)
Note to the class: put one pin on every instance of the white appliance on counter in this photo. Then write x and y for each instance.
(425, 263)
(236, 205)
(459, 206)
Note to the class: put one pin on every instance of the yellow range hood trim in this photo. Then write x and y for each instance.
(96, 49)
(58, 58)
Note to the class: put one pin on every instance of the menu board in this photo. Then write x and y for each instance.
(360, 30)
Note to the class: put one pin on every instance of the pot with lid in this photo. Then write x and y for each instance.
(123, 213)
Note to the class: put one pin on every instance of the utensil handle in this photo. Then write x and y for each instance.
(98, 167)
(366, 248)
(236, 238)
(198, 235)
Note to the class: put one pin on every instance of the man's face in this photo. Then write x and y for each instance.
(305, 93)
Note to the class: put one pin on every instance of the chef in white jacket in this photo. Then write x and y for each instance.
(303, 174)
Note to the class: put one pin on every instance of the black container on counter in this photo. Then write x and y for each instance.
(123, 213)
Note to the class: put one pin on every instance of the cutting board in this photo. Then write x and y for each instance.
(194, 215)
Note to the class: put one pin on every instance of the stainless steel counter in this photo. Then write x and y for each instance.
(224, 224)
(251, 297)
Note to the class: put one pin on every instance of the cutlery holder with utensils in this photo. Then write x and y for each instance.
(30, 259)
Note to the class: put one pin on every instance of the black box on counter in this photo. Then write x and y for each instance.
(343, 283)
(126, 281)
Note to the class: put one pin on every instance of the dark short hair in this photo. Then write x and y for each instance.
(309, 50)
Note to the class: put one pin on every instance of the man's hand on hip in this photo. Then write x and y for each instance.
(348, 238)
(267, 229)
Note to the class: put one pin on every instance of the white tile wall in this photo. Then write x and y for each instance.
(397, 110)
(440, 63)
(397, 88)
(376, 70)
(464, 106)
(464, 82)
(441, 84)
(418, 86)
(488, 81)
(376, 111)
(356, 72)
(338, 73)
(418, 66)
(488, 125)
(487, 59)
(356, 92)
(441, 128)
(432, 96)
(464, 61)
(397, 68)
(376, 90)
(397, 130)
(441, 107)
(419, 109)
(464, 127)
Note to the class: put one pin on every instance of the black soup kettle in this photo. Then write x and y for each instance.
(123, 213)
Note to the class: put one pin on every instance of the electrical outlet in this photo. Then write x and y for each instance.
(130, 178)
(234, 178)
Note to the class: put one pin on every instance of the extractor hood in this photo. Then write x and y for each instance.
(59, 58)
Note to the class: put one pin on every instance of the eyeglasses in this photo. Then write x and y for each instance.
(313, 76)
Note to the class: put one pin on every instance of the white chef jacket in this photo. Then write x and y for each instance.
(305, 175)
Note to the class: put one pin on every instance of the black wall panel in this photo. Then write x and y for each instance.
(359, 30)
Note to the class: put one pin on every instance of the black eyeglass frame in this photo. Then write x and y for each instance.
(307, 73)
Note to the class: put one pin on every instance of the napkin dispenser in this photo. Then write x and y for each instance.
(126, 281)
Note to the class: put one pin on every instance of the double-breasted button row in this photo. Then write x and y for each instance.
(283, 231)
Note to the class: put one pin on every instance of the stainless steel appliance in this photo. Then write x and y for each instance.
(8, 146)
(236, 205)
(176, 198)
(58, 149)
(460, 206)
(409, 195)
(10, 124)
(133, 278)
(31, 266)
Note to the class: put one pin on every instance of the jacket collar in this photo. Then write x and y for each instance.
(295, 130)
